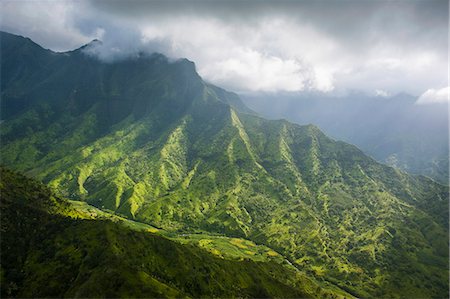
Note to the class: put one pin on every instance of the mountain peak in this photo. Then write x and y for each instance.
(10, 41)
(90, 45)
(94, 42)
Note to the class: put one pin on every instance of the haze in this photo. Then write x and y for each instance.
(380, 47)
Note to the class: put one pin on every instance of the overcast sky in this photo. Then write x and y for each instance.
(380, 47)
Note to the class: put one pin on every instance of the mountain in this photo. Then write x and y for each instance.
(394, 130)
(52, 248)
(147, 139)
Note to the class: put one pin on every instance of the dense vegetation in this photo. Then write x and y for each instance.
(49, 250)
(394, 130)
(147, 139)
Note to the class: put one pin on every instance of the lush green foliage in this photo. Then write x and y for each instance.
(394, 130)
(149, 140)
(49, 249)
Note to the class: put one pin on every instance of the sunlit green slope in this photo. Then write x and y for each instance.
(394, 130)
(148, 139)
(52, 248)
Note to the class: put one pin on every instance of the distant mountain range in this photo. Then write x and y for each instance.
(394, 130)
(147, 139)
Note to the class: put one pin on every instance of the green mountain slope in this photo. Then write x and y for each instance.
(147, 139)
(50, 250)
(394, 130)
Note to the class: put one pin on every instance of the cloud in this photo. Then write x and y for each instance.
(240, 58)
(434, 96)
(381, 93)
(250, 46)
(250, 70)
(49, 23)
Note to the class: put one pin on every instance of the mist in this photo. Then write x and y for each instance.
(243, 46)
(405, 131)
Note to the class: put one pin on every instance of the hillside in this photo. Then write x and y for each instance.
(58, 252)
(394, 130)
(147, 139)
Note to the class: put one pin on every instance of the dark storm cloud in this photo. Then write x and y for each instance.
(352, 21)
(377, 46)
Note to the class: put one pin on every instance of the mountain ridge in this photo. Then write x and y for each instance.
(151, 141)
(395, 130)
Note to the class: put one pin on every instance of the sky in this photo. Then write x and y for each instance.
(379, 47)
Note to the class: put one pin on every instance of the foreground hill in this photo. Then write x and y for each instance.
(147, 139)
(52, 249)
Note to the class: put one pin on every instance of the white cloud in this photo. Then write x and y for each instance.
(293, 46)
(254, 71)
(240, 58)
(381, 93)
(48, 23)
(433, 96)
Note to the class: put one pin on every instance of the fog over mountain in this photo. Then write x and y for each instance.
(381, 47)
(404, 131)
